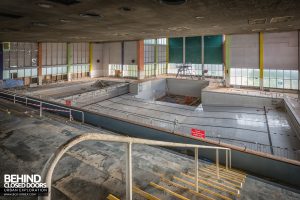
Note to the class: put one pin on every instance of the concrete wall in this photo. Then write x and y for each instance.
(294, 119)
(185, 87)
(281, 50)
(97, 62)
(130, 52)
(244, 51)
(227, 99)
(151, 89)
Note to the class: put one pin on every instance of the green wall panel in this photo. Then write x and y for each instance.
(213, 49)
(193, 50)
(175, 50)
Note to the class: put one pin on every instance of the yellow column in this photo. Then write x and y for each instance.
(91, 59)
(261, 61)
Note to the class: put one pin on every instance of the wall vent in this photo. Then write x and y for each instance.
(66, 2)
(257, 21)
(281, 19)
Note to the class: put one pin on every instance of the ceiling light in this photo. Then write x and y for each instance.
(199, 17)
(271, 29)
(89, 14)
(45, 5)
(64, 20)
(256, 30)
(281, 19)
(125, 8)
(180, 28)
(173, 2)
(66, 2)
(40, 24)
(257, 21)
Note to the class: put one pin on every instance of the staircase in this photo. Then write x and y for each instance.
(182, 185)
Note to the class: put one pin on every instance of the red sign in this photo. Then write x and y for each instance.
(197, 133)
(68, 102)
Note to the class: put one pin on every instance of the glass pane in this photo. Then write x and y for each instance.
(256, 81)
(266, 82)
(250, 72)
(287, 84)
(272, 73)
(232, 72)
(287, 74)
(266, 73)
(279, 83)
(250, 81)
(244, 72)
(294, 84)
(256, 73)
(273, 83)
(238, 72)
(238, 80)
(232, 80)
(294, 74)
(280, 74)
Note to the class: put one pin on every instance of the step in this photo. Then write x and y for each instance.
(144, 194)
(202, 196)
(233, 192)
(112, 197)
(201, 188)
(159, 187)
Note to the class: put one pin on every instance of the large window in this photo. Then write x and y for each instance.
(54, 54)
(244, 77)
(155, 57)
(282, 79)
(20, 54)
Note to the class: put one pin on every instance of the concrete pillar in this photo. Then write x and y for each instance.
(261, 61)
(91, 59)
(183, 51)
(40, 63)
(140, 59)
(69, 60)
(122, 57)
(167, 55)
(227, 59)
(202, 54)
(298, 64)
(1, 62)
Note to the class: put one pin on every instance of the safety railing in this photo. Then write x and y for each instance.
(53, 160)
(41, 105)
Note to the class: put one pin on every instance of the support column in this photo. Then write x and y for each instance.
(156, 57)
(167, 55)
(122, 57)
(298, 65)
(261, 61)
(91, 59)
(40, 63)
(140, 59)
(227, 59)
(1, 62)
(69, 61)
(202, 54)
(183, 51)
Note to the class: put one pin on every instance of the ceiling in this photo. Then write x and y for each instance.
(115, 20)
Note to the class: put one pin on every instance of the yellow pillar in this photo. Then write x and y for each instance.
(91, 59)
(261, 61)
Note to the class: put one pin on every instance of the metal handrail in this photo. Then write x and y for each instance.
(129, 141)
(40, 104)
